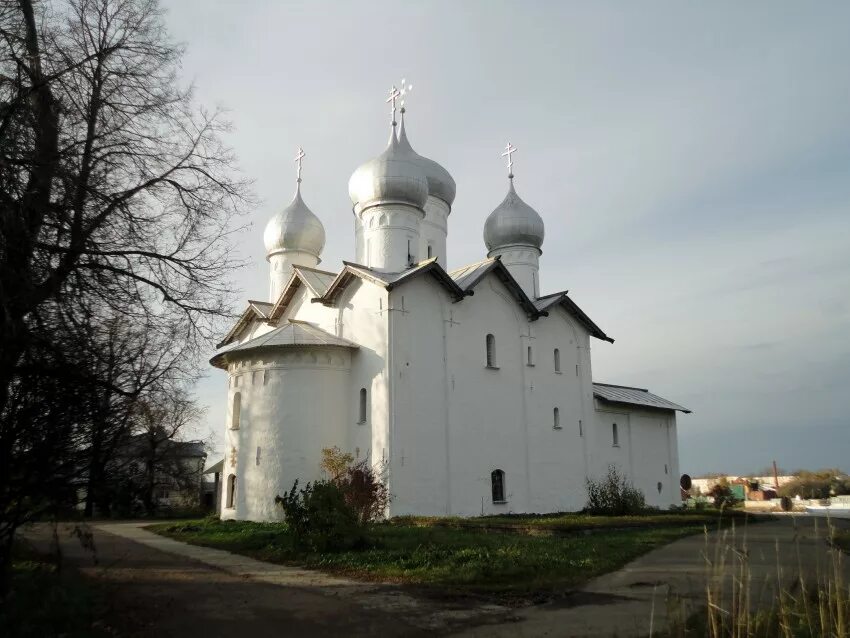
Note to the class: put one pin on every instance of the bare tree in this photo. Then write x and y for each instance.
(170, 462)
(116, 193)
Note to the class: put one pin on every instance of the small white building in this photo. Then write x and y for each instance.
(471, 389)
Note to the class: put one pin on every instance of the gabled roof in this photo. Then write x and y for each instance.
(634, 396)
(543, 304)
(469, 276)
(316, 281)
(325, 287)
(291, 334)
(255, 310)
(263, 308)
(389, 280)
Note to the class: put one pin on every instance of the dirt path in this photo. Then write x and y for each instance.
(159, 587)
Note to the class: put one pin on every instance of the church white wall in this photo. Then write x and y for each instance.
(360, 316)
(294, 402)
(457, 421)
(647, 450)
(561, 456)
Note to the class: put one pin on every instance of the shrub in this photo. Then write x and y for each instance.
(365, 492)
(362, 485)
(613, 496)
(335, 462)
(319, 518)
(722, 494)
(820, 484)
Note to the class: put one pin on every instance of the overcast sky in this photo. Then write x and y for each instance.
(691, 162)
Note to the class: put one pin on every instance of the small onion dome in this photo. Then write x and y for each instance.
(513, 223)
(295, 228)
(394, 177)
(440, 183)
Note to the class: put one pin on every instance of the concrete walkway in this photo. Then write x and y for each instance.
(639, 599)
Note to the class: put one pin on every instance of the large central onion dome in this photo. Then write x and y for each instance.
(513, 223)
(295, 229)
(440, 183)
(394, 177)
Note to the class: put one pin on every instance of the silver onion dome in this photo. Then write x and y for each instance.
(440, 183)
(394, 177)
(513, 223)
(295, 228)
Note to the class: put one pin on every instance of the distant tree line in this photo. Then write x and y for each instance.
(116, 204)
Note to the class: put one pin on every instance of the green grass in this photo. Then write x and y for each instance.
(572, 522)
(45, 602)
(449, 555)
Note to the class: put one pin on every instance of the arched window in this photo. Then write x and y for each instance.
(363, 405)
(491, 351)
(497, 482)
(615, 435)
(530, 356)
(236, 411)
(557, 419)
(557, 360)
(231, 490)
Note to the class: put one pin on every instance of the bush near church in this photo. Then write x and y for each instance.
(613, 496)
(332, 514)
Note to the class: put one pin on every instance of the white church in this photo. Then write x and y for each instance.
(469, 388)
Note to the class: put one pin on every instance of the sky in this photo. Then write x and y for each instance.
(691, 162)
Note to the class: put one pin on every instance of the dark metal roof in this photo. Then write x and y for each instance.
(634, 396)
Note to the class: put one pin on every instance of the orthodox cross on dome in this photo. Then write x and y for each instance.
(300, 156)
(510, 149)
(394, 95)
(405, 89)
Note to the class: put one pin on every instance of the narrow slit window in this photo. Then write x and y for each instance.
(497, 483)
(615, 435)
(231, 490)
(580, 428)
(237, 411)
(530, 356)
(430, 251)
(363, 405)
(491, 351)
(557, 360)
(557, 418)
